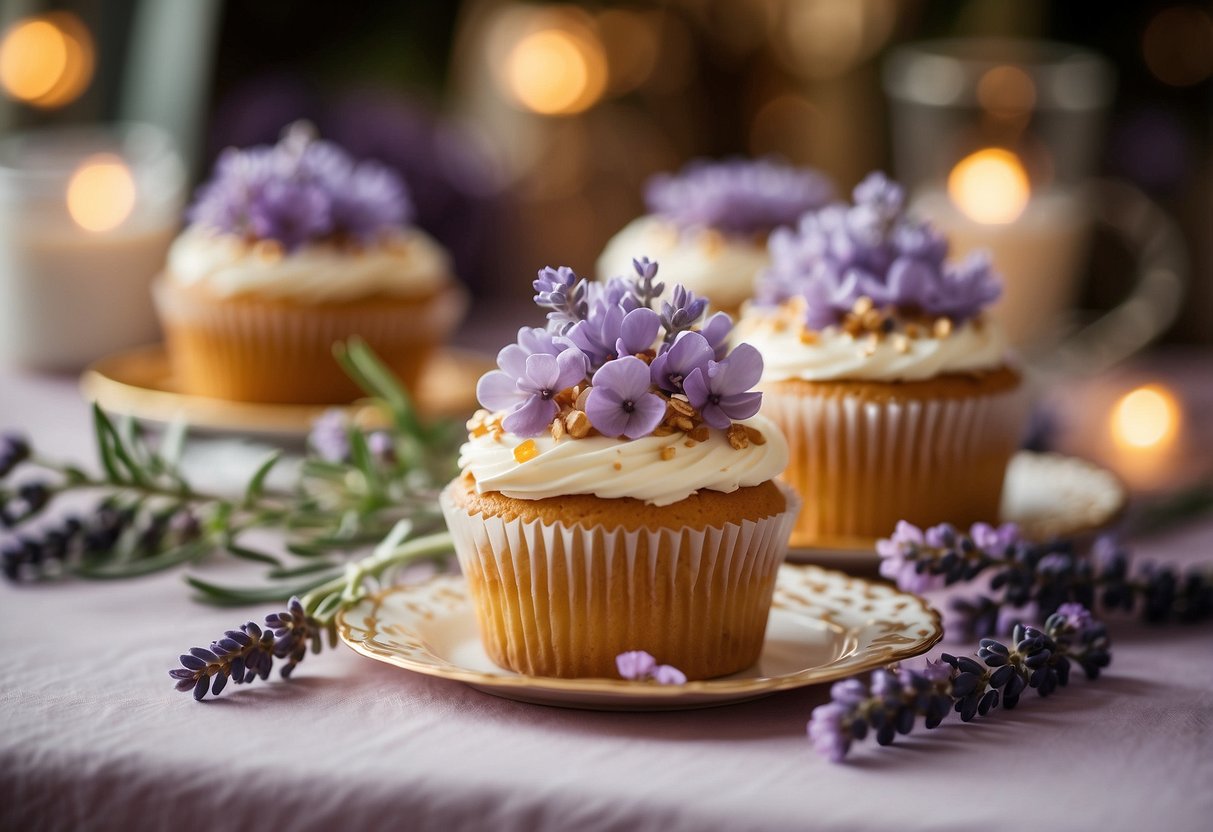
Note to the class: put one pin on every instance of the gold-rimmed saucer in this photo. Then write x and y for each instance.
(1047, 495)
(139, 383)
(824, 625)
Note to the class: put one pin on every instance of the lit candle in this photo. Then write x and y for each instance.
(1144, 430)
(1036, 240)
(86, 218)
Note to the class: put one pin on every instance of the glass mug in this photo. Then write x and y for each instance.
(996, 140)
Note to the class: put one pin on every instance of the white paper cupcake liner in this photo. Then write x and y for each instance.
(562, 599)
(861, 465)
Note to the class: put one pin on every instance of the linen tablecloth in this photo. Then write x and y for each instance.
(93, 736)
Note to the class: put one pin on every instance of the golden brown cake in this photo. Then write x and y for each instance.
(617, 495)
(291, 249)
(885, 372)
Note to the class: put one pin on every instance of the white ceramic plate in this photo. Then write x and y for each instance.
(824, 625)
(1048, 495)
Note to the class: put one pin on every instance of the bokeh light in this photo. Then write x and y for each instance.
(1178, 45)
(1147, 417)
(990, 186)
(101, 193)
(46, 61)
(557, 70)
(829, 38)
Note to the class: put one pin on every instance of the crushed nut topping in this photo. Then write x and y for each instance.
(737, 436)
(667, 452)
(578, 424)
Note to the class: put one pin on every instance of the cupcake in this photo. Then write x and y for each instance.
(617, 490)
(892, 385)
(290, 249)
(709, 223)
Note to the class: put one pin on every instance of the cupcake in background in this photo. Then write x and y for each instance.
(289, 249)
(617, 491)
(709, 223)
(891, 383)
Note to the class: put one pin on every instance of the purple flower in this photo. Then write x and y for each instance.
(826, 731)
(381, 446)
(994, 539)
(330, 437)
(873, 249)
(544, 377)
(372, 199)
(736, 196)
(620, 402)
(1077, 616)
(666, 674)
(562, 292)
(898, 561)
(717, 330)
(635, 664)
(638, 666)
(498, 389)
(720, 393)
(849, 692)
(637, 331)
(681, 312)
(690, 352)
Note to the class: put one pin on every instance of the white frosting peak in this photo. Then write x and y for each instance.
(718, 266)
(614, 468)
(408, 264)
(834, 355)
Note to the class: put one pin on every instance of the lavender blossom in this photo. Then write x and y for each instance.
(637, 665)
(873, 249)
(543, 377)
(620, 401)
(330, 436)
(721, 393)
(564, 294)
(681, 312)
(643, 287)
(736, 196)
(300, 191)
(1039, 659)
(690, 352)
(14, 449)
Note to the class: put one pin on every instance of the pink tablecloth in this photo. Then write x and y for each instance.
(92, 735)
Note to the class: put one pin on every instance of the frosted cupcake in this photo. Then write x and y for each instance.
(882, 368)
(617, 492)
(291, 248)
(709, 223)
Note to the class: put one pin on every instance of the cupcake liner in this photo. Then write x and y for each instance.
(267, 351)
(862, 462)
(563, 599)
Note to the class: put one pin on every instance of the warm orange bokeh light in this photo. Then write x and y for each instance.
(46, 61)
(1147, 417)
(101, 193)
(990, 186)
(556, 71)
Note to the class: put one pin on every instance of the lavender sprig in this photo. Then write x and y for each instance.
(245, 655)
(1039, 659)
(1028, 578)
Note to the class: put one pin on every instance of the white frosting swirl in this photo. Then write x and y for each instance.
(836, 356)
(407, 264)
(718, 266)
(587, 466)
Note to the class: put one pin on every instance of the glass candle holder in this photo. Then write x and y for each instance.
(86, 218)
(997, 140)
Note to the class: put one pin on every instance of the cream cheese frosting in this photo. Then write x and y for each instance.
(615, 468)
(408, 263)
(721, 267)
(834, 355)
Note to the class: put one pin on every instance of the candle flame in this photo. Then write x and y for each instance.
(556, 71)
(990, 186)
(101, 193)
(46, 61)
(1147, 417)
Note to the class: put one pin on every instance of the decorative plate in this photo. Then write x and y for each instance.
(1048, 495)
(138, 383)
(823, 626)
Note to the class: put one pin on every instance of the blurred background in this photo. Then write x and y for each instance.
(526, 131)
